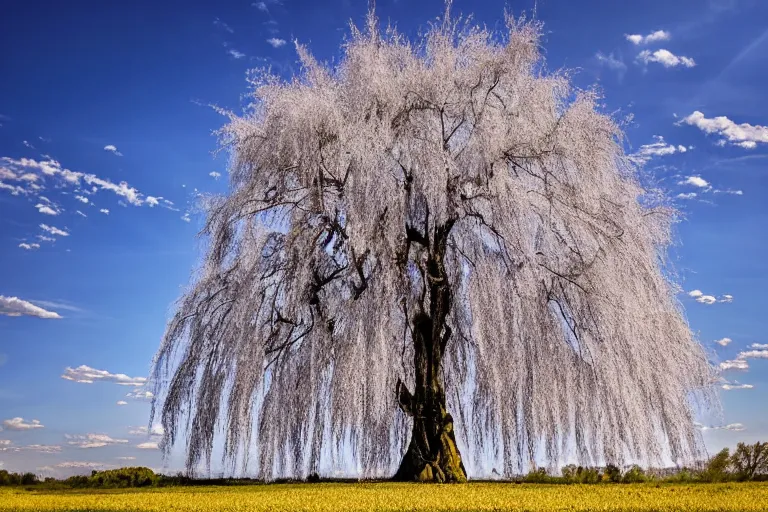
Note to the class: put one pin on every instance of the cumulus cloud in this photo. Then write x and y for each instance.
(112, 149)
(759, 346)
(236, 54)
(87, 375)
(740, 363)
(122, 402)
(14, 306)
(104, 211)
(696, 181)
(186, 217)
(665, 58)
(215, 175)
(82, 199)
(276, 42)
(29, 247)
(47, 209)
(753, 354)
(734, 364)
(658, 35)
(92, 440)
(150, 445)
(743, 135)
(53, 230)
(724, 342)
(20, 424)
(687, 195)
(709, 299)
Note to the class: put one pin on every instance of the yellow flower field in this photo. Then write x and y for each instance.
(398, 497)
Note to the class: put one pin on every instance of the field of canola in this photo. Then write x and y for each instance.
(397, 497)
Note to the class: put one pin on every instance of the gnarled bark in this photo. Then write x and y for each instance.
(432, 454)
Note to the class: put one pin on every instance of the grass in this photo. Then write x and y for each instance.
(397, 497)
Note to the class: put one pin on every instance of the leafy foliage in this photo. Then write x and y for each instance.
(563, 329)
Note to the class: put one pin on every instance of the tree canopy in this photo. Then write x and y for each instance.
(455, 178)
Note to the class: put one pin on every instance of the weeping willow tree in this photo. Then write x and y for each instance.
(427, 239)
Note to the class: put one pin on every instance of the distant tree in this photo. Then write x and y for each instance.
(718, 466)
(750, 460)
(634, 475)
(430, 226)
(28, 479)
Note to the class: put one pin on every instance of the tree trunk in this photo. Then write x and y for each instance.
(432, 454)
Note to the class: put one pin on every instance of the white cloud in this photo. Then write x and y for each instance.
(27, 144)
(689, 195)
(81, 213)
(157, 430)
(734, 364)
(696, 181)
(46, 209)
(709, 299)
(724, 342)
(730, 387)
(185, 217)
(735, 427)
(665, 58)
(52, 168)
(152, 201)
(753, 354)
(262, 6)
(14, 189)
(125, 458)
(657, 148)
(104, 211)
(82, 199)
(276, 42)
(14, 306)
(150, 445)
(20, 424)
(658, 35)
(729, 191)
(37, 448)
(53, 230)
(759, 346)
(93, 440)
(112, 149)
(215, 175)
(236, 54)
(87, 375)
(29, 247)
(141, 394)
(610, 61)
(122, 402)
(744, 135)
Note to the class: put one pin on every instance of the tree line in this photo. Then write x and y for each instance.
(749, 462)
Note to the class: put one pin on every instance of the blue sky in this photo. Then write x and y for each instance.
(106, 143)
